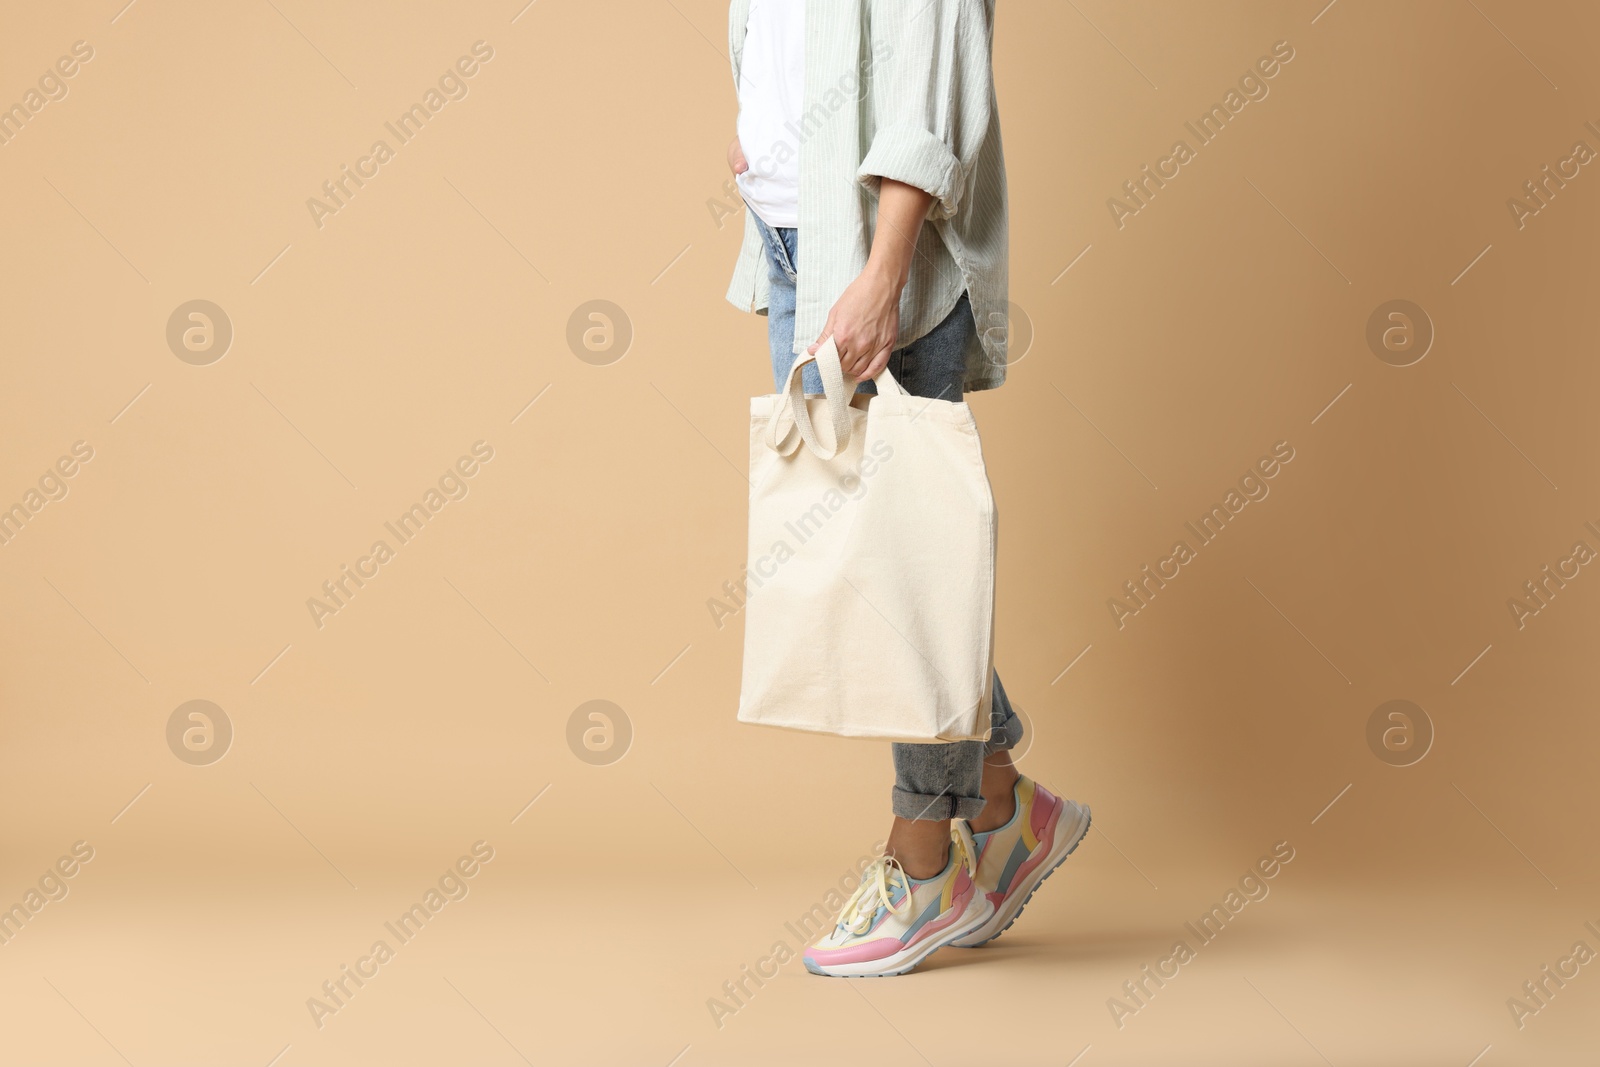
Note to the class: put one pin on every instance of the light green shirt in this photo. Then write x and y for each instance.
(911, 82)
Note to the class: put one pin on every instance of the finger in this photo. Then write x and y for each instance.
(867, 360)
(878, 362)
(854, 365)
(827, 332)
(846, 349)
(860, 366)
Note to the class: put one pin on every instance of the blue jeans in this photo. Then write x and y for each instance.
(937, 781)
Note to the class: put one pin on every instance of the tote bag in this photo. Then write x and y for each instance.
(870, 572)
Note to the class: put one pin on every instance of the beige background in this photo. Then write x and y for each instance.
(430, 311)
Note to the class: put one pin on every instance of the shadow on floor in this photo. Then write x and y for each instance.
(1018, 947)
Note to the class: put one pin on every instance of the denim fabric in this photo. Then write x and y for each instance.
(934, 781)
(945, 781)
(782, 246)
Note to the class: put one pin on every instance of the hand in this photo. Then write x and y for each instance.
(864, 323)
(736, 161)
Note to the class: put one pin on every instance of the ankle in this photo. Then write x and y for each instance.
(999, 796)
(922, 847)
(997, 811)
(923, 866)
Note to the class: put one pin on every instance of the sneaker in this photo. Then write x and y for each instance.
(1016, 857)
(892, 922)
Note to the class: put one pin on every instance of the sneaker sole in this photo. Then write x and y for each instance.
(983, 936)
(906, 960)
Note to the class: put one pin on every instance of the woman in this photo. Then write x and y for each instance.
(878, 116)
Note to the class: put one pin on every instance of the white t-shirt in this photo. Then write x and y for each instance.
(772, 81)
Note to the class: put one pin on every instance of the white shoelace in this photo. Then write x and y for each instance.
(878, 881)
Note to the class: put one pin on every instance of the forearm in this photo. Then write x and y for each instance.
(865, 320)
(901, 211)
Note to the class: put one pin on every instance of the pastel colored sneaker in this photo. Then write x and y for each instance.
(892, 922)
(1016, 857)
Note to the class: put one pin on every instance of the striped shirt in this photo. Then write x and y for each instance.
(899, 89)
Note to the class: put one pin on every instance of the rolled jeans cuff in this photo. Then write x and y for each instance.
(1005, 733)
(945, 781)
(908, 805)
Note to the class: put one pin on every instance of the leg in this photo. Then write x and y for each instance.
(972, 780)
(885, 927)
(1023, 833)
(935, 783)
(999, 773)
(927, 871)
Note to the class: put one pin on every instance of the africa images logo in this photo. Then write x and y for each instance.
(1205, 129)
(1253, 486)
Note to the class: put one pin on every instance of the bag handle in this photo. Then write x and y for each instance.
(836, 387)
(793, 403)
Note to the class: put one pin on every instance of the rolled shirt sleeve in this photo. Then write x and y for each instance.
(929, 96)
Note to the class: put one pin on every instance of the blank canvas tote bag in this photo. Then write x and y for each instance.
(870, 574)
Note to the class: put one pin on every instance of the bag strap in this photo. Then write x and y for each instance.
(887, 384)
(839, 391)
(833, 388)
